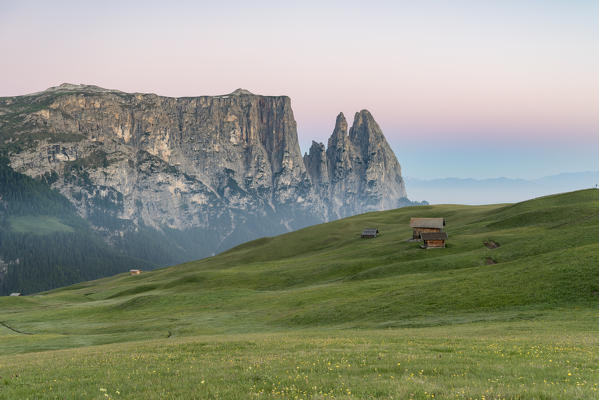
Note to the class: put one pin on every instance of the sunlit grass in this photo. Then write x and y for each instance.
(515, 360)
(38, 225)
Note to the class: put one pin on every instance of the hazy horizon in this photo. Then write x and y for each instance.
(496, 190)
(466, 89)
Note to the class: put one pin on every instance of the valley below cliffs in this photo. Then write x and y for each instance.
(163, 180)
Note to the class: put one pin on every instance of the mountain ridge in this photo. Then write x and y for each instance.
(202, 173)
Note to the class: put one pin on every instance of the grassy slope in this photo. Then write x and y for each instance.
(38, 225)
(326, 281)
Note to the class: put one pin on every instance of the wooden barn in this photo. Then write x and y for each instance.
(134, 272)
(420, 225)
(433, 239)
(369, 233)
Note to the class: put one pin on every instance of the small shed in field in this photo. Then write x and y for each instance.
(433, 239)
(369, 233)
(15, 294)
(420, 225)
(134, 272)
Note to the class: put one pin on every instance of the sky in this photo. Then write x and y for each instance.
(475, 89)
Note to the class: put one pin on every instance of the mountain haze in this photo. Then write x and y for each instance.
(166, 180)
(498, 190)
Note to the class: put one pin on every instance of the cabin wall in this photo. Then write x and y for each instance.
(435, 243)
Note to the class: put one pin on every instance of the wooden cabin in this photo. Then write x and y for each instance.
(420, 225)
(433, 239)
(369, 233)
(134, 272)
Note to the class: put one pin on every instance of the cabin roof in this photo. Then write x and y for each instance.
(433, 235)
(370, 231)
(427, 223)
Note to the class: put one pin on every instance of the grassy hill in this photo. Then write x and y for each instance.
(518, 321)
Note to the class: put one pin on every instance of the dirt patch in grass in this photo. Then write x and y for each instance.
(491, 244)
(490, 261)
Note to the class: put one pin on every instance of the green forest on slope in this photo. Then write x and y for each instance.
(43, 242)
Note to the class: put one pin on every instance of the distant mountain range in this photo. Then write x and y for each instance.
(497, 190)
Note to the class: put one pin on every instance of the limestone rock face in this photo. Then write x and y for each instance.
(316, 164)
(227, 168)
(358, 172)
(381, 183)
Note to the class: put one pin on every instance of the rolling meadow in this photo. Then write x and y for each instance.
(321, 313)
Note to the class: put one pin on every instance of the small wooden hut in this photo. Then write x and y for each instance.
(134, 272)
(369, 233)
(420, 225)
(433, 239)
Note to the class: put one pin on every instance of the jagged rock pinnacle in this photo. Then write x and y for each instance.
(364, 173)
(341, 124)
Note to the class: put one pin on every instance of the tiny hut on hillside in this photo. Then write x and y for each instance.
(433, 239)
(420, 225)
(369, 233)
(134, 272)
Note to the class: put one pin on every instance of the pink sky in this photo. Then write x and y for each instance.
(462, 74)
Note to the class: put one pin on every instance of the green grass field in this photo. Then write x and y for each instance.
(38, 225)
(320, 313)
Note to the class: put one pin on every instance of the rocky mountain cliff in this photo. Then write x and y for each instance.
(357, 172)
(201, 173)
